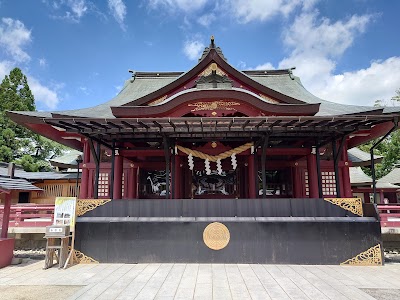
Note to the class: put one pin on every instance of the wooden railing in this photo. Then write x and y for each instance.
(29, 215)
(389, 214)
(41, 215)
(52, 190)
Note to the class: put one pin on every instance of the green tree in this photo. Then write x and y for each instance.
(17, 143)
(389, 148)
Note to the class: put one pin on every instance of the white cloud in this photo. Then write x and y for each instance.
(182, 5)
(193, 49)
(260, 10)
(13, 37)
(206, 19)
(78, 7)
(377, 82)
(84, 90)
(118, 89)
(243, 11)
(310, 34)
(317, 44)
(118, 10)
(5, 68)
(241, 65)
(75, 9)
(44, 96)
(266, 66)
(42, 62)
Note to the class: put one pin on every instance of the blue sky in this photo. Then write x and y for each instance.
(77, 53)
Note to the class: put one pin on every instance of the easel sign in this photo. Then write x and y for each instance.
(64, 211)
(65, 214)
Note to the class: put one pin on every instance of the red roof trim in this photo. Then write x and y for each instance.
(213, 94)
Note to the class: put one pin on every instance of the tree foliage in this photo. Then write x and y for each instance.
(389, 148)
(18, 144)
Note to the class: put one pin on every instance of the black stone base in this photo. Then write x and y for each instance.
(266, 240)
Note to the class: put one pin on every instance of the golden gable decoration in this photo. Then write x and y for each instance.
(268, 99)
(159, 100)
(214, 105)
(216, 236)
(85, 205)
(353, 205)
(212, 67)
(370, 257)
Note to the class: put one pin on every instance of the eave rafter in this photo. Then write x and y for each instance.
(323, 128)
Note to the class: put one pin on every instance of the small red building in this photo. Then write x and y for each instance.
(214, 132)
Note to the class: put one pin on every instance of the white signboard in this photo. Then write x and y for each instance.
(64, 211)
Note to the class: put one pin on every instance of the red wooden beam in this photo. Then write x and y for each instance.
(6, 216)
(375, 132)
(270, 151)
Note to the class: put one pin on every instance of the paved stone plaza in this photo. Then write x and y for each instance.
(194, 281)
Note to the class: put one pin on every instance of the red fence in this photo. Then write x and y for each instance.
(41, 215)
(390, 215)
(29, 215)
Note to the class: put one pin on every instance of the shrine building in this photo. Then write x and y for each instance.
(252, 153)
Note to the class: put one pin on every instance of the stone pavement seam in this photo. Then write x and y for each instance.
(164, 280)
(180, 281)
(146, 281)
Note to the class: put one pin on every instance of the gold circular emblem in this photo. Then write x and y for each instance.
(214, 105)
(216, 236)
(214, 144)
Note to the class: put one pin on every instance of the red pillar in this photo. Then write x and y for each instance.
(381, 197)
(135, 183)
(252, 179)
(312, 176)
(118, 169)
(366, 198)
(347, 193)
(178, 177)
(6, 216)
(132, 185)
(84, 189)
(297, 183)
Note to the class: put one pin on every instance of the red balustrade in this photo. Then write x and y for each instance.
(30, 215)
(389, 214)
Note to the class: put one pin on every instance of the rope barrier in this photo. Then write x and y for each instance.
(220, 156)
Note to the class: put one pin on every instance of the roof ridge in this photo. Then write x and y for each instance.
(142, 74)
(268, 72)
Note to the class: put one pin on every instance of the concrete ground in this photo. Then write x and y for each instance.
(199, 281)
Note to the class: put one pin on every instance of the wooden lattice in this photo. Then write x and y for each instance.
(371, 257)
(85, 205)
(353, 205)
(216, 236)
